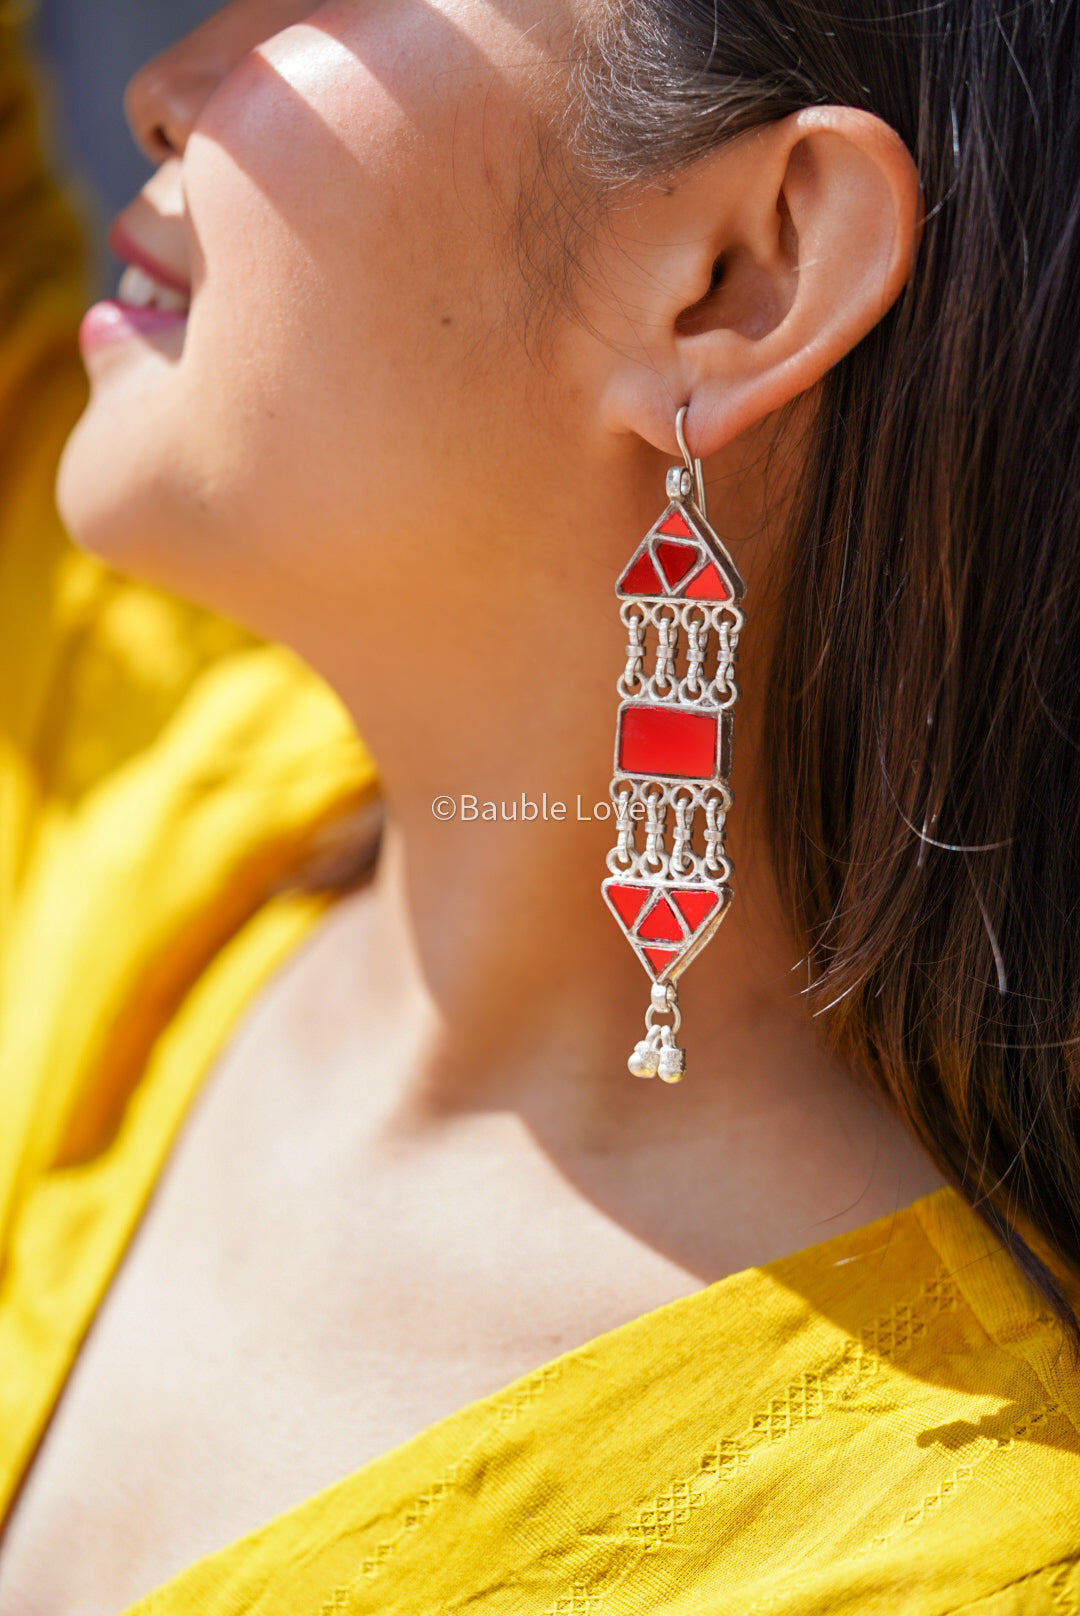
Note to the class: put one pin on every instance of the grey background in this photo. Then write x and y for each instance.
(88, 50)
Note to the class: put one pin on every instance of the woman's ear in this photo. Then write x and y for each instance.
(741, 284)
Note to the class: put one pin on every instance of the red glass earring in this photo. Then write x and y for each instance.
(673, 752)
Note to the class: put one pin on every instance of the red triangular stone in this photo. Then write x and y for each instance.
(659, 958)
(627, 902)
(695, 907)
(676, 523)
(676, 561)
(641, 578)
(661, 925)
(708, 585)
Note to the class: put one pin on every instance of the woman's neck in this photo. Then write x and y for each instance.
(484, 937)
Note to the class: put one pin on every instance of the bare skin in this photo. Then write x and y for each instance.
(421, 1169)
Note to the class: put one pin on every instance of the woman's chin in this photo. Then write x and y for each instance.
(89, 499)
(133, 502)
(116, 506)
(121, 460)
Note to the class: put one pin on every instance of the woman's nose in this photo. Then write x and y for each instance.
(164, 99)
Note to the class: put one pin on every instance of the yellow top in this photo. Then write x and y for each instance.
(885, 1423)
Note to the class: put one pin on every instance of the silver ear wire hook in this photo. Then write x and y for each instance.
(693, 465)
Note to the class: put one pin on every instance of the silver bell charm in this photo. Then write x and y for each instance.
(645, 1061)
(671, 1064)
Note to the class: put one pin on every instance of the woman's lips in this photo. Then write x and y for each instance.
(128, 250)
(111, 322)
(151, 299)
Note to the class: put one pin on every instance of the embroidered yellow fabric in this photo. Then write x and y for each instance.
(886, 1423)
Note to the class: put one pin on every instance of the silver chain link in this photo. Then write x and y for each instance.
(667, 648)
(655, 859)
(631, 682)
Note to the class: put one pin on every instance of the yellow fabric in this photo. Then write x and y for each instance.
(886, 1423)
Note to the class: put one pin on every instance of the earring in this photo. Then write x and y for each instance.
(673, 752)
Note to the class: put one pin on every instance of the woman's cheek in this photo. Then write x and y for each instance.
(347, 238)
(294, 222)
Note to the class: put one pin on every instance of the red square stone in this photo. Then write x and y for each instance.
(667, 742)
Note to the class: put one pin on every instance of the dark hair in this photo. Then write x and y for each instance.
(924, 745)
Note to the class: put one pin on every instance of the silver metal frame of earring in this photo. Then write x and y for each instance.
(673, 738)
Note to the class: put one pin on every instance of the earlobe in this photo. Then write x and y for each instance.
(814, 221)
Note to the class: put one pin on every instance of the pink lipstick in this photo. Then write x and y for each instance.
(151, 299)
(114, 321)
